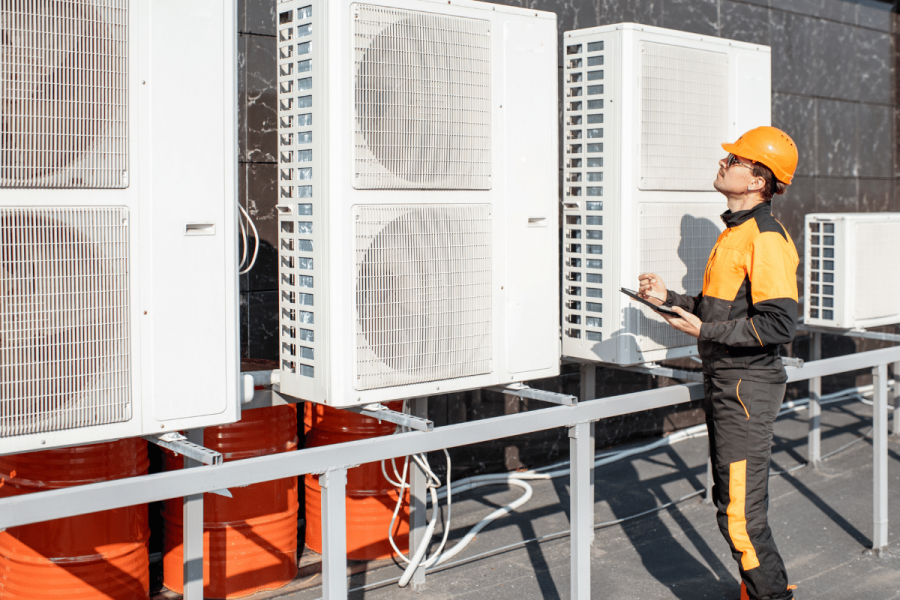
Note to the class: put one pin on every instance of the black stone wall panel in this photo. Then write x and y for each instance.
(796, 61)
(838, 142)
(796, 115)
(645, 12)
(695, 16)
(745, 22)
(873, 60)
(260, 203)
(837, 194)
(261, 127)
(263, 325)
(874, 130)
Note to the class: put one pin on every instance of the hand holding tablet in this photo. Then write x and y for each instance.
(657, 307)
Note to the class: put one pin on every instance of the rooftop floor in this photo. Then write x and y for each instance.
(821, 518)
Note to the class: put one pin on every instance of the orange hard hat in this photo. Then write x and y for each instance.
(769, 146)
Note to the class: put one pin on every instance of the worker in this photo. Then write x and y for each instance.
(745, 312)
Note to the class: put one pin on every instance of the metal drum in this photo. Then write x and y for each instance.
(250, 540)
(100, 555)
(370, 498)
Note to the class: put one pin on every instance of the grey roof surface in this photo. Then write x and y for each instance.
(822, 522)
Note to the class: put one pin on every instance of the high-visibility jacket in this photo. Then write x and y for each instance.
(749, 300)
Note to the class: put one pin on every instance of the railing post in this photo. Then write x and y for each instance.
(581, 457)
(417, 499)
(334, 534)
(814, 444)
(192, 515)
(588, 391)
(895, 399)
(880, 459)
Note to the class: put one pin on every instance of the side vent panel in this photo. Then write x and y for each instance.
(64, 325)
(423, 293)
(422, 101)
(300, 198)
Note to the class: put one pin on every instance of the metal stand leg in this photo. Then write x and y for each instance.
(588, 386)
(895, 399)
(417, 499)
(880, 459)
(581, 455)
(814, 444)
(334, 534)
(193, 531)
(588, 391)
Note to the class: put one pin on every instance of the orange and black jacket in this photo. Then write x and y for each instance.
(749, 300)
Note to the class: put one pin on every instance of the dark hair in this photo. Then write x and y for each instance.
(773, 186)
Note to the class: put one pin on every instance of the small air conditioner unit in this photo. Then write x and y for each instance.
(646, 110)
(418, 198)
(844, 283)
(118, 285)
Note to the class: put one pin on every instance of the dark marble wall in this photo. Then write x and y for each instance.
(835, 73)
(257, 144)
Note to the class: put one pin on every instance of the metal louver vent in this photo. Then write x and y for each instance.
(64, 326)
(423, 293)
(422, 97)
(684, 116)
(63, 88)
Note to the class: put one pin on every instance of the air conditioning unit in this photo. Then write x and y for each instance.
(118, 284)
(417, 198)
(646, 110)
(844, 282)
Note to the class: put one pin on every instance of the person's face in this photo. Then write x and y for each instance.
(735, 175)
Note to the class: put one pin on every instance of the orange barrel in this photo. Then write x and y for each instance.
(250, 540)
(99, 555)
(370, 498)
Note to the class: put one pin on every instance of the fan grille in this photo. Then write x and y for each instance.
(423, 98)
(684, 116)
(423, 293)
(63, 85)
(676, 240)
(64, 348)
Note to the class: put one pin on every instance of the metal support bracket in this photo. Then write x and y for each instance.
(383, 413)
(523, 391)
(660, 371)
(789, 361)
(179, 444)
(857, 333)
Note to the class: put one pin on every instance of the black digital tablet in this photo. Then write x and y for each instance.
(662, 309)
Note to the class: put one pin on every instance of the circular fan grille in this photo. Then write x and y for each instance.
(62, 330)
(423, 293)
(392, 293)
(62, 94)
(422, 100)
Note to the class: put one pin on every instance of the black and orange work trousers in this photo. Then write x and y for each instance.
(740, 415)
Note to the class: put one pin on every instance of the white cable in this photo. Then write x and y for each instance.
(244, 238)
(458, 547)
(243, 242)
(420, 551)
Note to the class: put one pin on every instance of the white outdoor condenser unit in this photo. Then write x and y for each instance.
(646, 110)
(118, 270)
(417, 197)
(845, 284)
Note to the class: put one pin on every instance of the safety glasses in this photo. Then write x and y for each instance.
(733, 160)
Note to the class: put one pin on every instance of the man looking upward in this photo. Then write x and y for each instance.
(746, 311)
